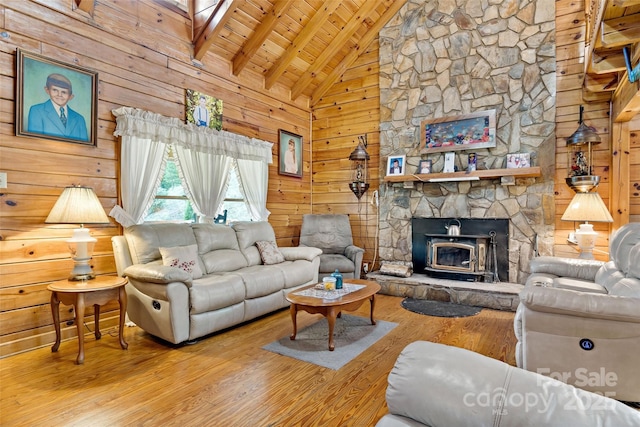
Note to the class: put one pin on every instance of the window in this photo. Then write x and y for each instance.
(172, 204)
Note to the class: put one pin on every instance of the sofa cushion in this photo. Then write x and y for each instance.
(145, 240)
(269, 252)
(184, 258)
(218, 247)
(248, 233)
(627, 287)
(634, 264)
(214, 292)
(621, 244)
(261, 280)
(333, 262)
(296, 273)
(578, 285)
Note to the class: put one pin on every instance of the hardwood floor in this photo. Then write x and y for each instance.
(227, 379)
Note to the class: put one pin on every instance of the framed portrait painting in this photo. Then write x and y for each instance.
(396, 165)
(204, 110)
(55, 100)
(289, 154)
(424, 166)
(463, 132)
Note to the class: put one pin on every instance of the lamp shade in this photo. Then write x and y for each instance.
(587, 207)
(77, 205)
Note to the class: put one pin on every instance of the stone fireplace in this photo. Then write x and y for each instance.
(446, 58)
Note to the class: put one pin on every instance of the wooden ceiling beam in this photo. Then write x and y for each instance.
(242, 58)
(601, 82)
(85, 5)
(220, 16)
(626, 100)
(606, 61)
(338, 42)
(298, 44)
(351, 57)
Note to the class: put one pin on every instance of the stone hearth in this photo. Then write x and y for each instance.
(498, 296)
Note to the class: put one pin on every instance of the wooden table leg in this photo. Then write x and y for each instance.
(293, 309)
(80, 327)
(373, 304)
(122, 299)
(96, 315)
(55, 311)
(331, 319)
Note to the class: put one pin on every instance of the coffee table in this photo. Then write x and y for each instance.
(331, 309)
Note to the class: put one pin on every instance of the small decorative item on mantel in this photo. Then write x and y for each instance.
(472, 162)
(518, 160)
(449, 162)
(424, 167)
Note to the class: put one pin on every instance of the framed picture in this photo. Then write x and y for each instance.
(472, 162)
(449, 162)
(518, 160)
(289, 153)
(55, 100)
(424, 166)
(204, 110)
(395, 165)
(463, 132)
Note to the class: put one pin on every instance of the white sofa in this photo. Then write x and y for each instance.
(236, 285)
(437, 385)
(579, 320)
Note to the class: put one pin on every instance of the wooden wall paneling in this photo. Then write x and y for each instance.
(142, 55)
(348, 110)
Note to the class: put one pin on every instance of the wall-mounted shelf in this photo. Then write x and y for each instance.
(531, 172)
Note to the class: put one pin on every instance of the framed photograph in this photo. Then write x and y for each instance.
(289, 153)
(424, 166)
(463, 132)
(518, 160)
(55, 100)
(449, 162)
(204, 110)
(395, 165)
(472, 162)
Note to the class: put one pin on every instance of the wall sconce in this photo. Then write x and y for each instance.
(359, 170)
(587, 207)
(580, 158)
(79, 205)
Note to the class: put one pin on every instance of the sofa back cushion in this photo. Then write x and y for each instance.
(218, 248)
(621, 244)
(329, 232)
(145, 240)
(250, 232)
(634, 263)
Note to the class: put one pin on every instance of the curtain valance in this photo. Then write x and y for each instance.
(170, 130)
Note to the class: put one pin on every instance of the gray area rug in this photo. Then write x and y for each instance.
(353, 335)
(439, 308)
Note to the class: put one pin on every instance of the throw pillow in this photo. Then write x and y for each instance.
(184, 258)
(269, 252)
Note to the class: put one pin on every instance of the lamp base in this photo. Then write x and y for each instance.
(81, 270)
(586, 238)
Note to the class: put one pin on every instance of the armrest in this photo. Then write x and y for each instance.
(581, 304)
(158, 274)
(584, 269)
(300, 253)
(352, 252)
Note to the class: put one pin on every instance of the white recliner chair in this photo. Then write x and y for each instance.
(579, 320)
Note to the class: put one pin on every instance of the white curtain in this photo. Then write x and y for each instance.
(205, 177)
(207, 153)
(254, 179)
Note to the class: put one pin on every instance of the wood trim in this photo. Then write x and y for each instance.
(213, 27)
(462, 176)
(620, 178)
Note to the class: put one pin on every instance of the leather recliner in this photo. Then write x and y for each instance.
(579, 320)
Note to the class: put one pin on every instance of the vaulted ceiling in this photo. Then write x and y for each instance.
(305, 45)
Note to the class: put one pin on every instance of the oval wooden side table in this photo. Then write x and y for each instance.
(96, 292)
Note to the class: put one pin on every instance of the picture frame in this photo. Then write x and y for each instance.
(396, 165)
(449, 162)
(472, 162)
(203, 110)
(43, 86)
(289, 154)
(424, 166)
(518, 160)
(462, 132)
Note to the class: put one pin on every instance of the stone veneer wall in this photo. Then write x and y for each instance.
(446, 58)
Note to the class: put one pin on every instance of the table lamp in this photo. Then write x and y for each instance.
(587, 207)
(79, 205)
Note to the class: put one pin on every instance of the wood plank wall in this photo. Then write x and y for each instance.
(142, 54)
(570, 33)
(349, 110)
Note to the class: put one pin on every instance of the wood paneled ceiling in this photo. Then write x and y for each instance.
(612, 25)
(304, 45)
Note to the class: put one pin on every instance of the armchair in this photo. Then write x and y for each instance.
(579, 320)
(332, 234)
